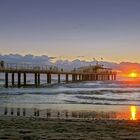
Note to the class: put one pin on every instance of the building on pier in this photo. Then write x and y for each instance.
(94, 69)
(96, 73)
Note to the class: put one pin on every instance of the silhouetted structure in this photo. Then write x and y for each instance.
(91, 73)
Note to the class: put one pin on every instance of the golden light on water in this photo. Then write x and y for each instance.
(133, 111)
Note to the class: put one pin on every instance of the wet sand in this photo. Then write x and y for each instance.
(21, 128)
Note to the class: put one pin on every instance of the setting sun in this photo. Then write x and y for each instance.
(133, 75)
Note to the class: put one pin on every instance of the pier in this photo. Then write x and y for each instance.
(20, 72)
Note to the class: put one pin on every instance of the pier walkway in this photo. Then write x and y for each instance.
(20, 70)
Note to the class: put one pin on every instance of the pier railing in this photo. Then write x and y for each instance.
(47, 68)
(33, 67)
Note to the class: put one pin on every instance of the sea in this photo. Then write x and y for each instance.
(120, 97)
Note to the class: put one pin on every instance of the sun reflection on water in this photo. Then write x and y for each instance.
(133, 110)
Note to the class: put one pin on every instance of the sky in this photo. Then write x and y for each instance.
(70, 29)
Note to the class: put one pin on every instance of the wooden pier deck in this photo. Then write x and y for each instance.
(25, 69)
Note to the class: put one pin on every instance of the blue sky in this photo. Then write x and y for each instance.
(71, 28)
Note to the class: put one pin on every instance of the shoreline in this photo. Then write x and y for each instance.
(72, 111)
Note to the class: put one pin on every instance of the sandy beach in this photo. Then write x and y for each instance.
(20, 128)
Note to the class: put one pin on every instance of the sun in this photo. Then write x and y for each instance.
(133, 75)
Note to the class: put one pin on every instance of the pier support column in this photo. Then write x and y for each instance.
(90, 77)
(115, 77)
(80, 77)
(93, 77)
(59, 78)
(73, 77)
(24, 79)
(108, 77)
(67, 78)
(19, 79)
(100, 77)
(112, 77)
(38, 79)
(6, 80)
(13, 79)
(96, 77)
(49, 78)
(85, 77)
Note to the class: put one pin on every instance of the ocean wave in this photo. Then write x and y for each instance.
(59, 90)
(105, 99)
(103, 103)
(100, 93)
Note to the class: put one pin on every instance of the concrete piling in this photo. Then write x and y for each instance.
(59, 78)
(24, 79)
(67, 78)
(13, 79)
(6, 79)
(19, 79)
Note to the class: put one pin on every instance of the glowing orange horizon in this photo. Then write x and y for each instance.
(130, 71)
(134, 75)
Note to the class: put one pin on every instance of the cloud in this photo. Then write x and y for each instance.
(65, 64)
(29, 59)
(80, 56)
(51, 58)
(129, 66)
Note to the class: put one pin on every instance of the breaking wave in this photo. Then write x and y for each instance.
(107, 93)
